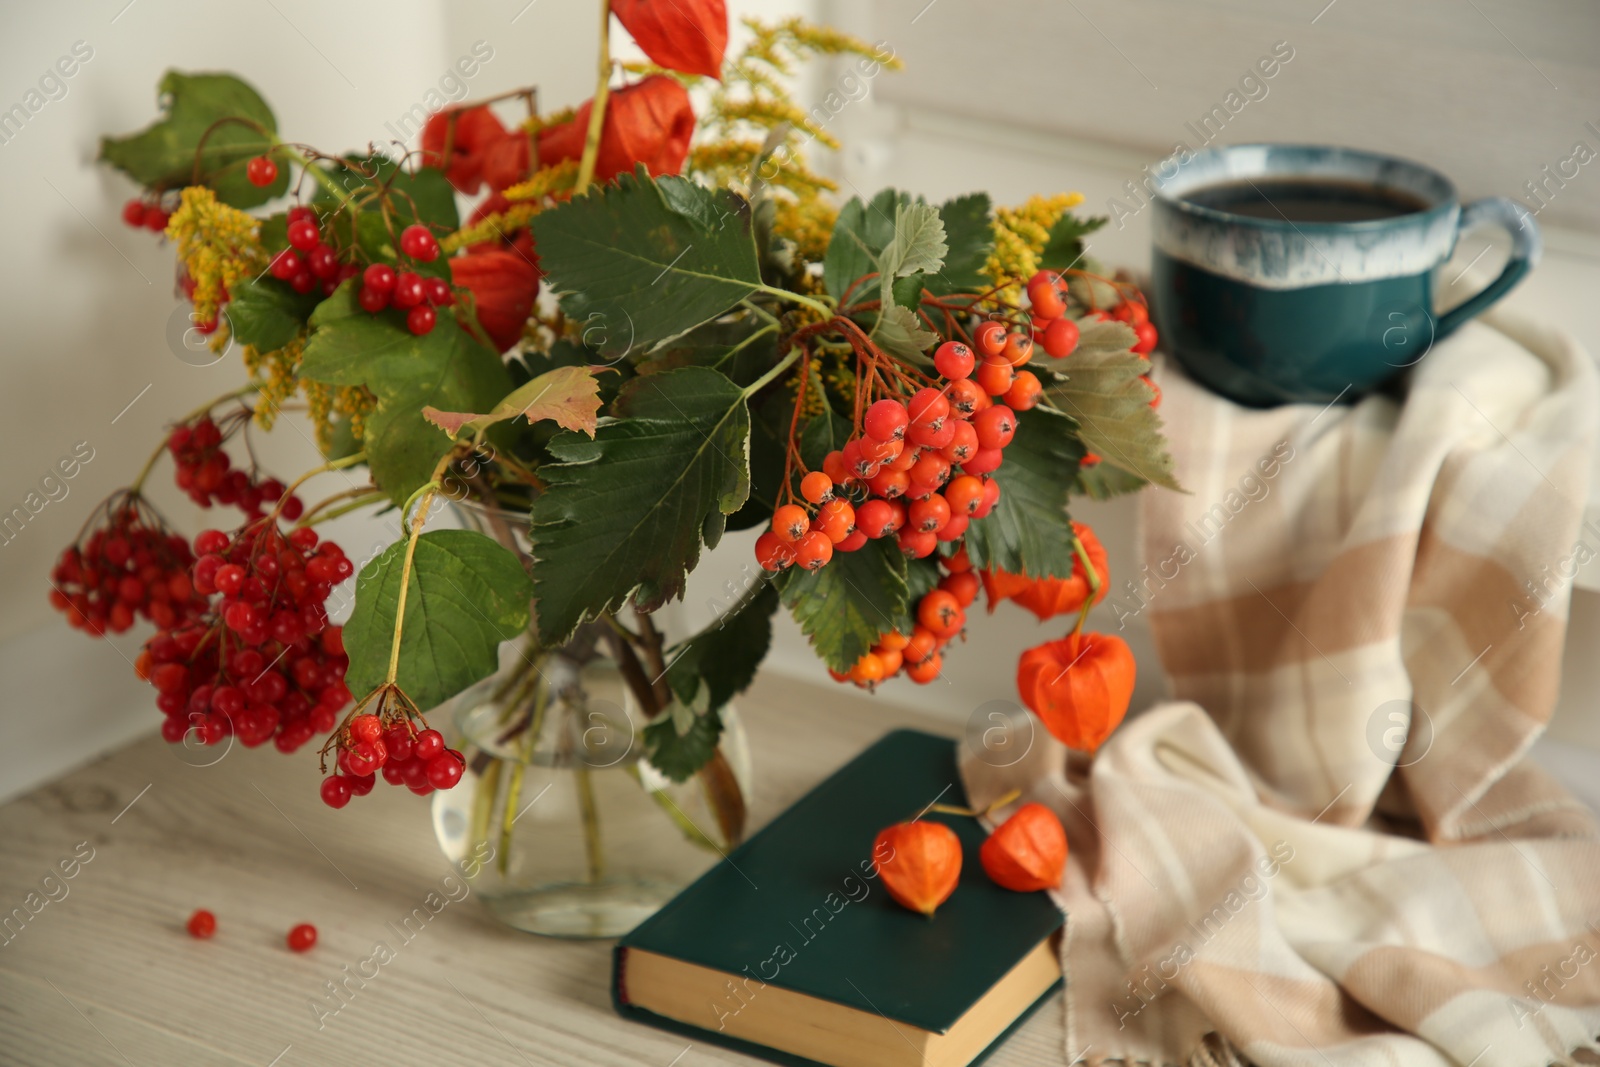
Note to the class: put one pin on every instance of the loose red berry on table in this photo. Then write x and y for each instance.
(261, 171)
(202, 924)
(302, 937)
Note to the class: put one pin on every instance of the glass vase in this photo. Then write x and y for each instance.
(574, 832)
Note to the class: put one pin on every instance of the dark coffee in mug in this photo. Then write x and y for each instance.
(1306, 273)
(1307, 200)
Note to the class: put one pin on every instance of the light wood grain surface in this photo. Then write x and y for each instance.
(107, 975)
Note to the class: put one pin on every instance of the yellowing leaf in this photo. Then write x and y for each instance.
(568, 396)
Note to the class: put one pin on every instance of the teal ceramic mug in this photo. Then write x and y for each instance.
(1297, 273)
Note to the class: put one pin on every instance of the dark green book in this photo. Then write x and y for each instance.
(792, 950)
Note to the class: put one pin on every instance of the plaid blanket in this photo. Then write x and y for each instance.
(1331, 849)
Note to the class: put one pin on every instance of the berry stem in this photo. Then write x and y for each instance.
(332, 465)
(766, 379)
(798, 298)
(1092, 576)
(357, 498)
(597, 111)
(427, 493)
(993, 806)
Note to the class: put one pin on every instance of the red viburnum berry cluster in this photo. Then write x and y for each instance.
(416, 759)
(147, 215)
(309, 261)
(262, 662)
(205, 471)
(941, 616)
(132, 566)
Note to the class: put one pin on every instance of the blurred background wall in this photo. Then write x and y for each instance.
(1011, 96)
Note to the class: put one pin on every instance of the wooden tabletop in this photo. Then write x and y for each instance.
(104, 973)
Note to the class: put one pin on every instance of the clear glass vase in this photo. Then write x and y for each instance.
(577, 834)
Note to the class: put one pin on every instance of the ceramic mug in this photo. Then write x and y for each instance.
(1297, 273)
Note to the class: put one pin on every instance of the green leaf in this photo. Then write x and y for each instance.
(769, 431)
(970, 235)
(466, 595)
(918, 245)
(845, 606)
(722, 659)
(267, 313)
(679, 756)
(445, 368)
(162, 155)
(626, 513)
(1028, 531)
(643, 260)
(922, 578)
(901, 333)
(859, 237)
(1064, 247)
(569, 396)
(743, 350)
(822, 434)
(1102, 391)
(1104, 480)
(1098, 338)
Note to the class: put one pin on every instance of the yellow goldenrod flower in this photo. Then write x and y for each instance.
(1020, 235)
(219, 247)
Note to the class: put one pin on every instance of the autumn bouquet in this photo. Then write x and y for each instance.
(651, 327)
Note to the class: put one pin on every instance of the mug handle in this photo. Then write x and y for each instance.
(1526, 246)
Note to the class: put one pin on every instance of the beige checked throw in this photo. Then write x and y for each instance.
(1331, 849)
